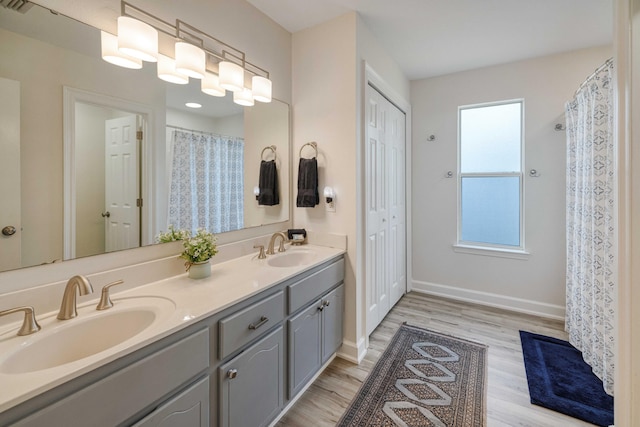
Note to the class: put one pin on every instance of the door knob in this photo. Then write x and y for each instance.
(9, 230)
(106, 214)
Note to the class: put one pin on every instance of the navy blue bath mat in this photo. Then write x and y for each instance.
(559, 379)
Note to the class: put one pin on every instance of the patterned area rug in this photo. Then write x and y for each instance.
(423, 378)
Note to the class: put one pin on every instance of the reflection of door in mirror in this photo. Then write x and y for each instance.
(10, 245)
(122, 184)
(107, 211)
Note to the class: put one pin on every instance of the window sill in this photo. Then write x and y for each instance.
(495, 252)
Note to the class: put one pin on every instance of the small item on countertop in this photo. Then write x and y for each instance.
(297, 236)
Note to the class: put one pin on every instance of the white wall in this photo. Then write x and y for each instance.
(327, 107)
(535, 284)
(324, 110)
(263, 125)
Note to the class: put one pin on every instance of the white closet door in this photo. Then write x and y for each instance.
(385, 274)
(397, 203)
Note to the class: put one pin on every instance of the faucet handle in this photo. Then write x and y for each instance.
(105, 297)
(281, 247)
(29, 324)
(261, 255)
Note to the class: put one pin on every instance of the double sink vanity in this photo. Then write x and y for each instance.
(233, 349)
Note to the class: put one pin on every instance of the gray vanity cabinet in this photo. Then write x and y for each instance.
(305, 347)
(332, 320)
(314, 335)
(252, 384)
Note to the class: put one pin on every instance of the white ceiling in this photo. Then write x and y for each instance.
(434, 37)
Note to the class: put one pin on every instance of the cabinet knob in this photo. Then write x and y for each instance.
(321, 307)
(326, 303)
(232, 373)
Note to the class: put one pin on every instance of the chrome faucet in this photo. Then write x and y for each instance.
(29, 324)
(68, 306)
(270, 250)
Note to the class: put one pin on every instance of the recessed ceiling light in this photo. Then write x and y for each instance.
(193, 105)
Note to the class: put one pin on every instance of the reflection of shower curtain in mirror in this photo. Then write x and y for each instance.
(207, 182)
(591, 228)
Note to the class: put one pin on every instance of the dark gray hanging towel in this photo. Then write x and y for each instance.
(268, 183)
(308, 195)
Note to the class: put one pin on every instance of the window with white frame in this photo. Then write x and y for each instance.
(490, 184)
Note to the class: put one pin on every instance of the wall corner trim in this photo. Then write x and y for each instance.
(353, 352)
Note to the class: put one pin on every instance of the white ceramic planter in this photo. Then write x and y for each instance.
(200, 270)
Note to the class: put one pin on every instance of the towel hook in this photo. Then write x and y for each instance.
(312, 144)
(272, 148)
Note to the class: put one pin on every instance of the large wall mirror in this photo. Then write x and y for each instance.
(62, 109)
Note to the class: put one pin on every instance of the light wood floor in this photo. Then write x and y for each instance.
(507, 393)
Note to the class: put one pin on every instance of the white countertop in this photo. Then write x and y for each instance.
(230, 283)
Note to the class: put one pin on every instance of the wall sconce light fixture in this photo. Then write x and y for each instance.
(194, 54)
(330, 196)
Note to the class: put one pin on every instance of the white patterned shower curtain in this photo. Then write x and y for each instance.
(206, 187)
(591, 223)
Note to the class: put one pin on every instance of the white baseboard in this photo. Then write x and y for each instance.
(353, 352)
(519, 305)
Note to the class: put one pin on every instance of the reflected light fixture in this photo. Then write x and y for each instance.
(190, 60)
(243, 97)
(193, 105)
(211, 85)
(111, 54)
(261, 88)
(167, 71)
(231, 76)
(137, 39)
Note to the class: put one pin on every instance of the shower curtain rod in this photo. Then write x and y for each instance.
(203, 132)
(592, 75)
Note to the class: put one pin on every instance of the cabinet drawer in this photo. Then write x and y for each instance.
(242, 327)
(310, 288)
(114, 399)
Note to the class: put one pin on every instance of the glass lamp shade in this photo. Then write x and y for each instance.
(167, 71)
(190, 60)
(243, 97)
(211, 85)
(231, 76)
(261, 88)
(111, 54)
(137, 39)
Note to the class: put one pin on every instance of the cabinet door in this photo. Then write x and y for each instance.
(252, 384)
(332, 317)
(305, 341)
(188, 409)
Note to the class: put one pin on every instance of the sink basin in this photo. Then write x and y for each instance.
(296, 258)
(90, 333)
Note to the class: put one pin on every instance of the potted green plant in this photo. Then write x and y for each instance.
(198, 250)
